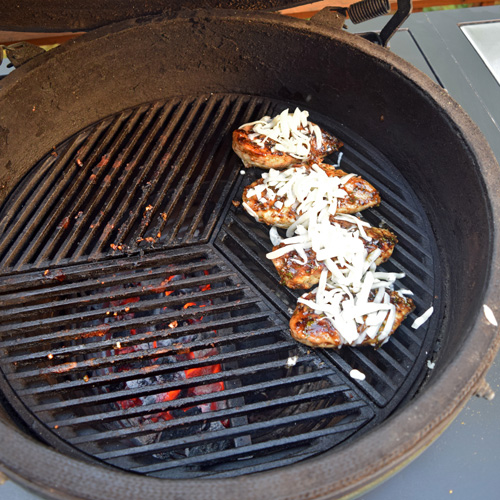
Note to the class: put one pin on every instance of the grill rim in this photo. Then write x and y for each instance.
(449, 389)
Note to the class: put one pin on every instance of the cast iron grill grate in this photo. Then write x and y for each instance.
(141, 324)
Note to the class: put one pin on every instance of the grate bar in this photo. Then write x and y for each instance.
(195, 400)
(248, 451)
(156, 388)
(136, 177)
(140, 306)
(103, 328)
(152, 370)
(73, 273)
(136, 340)
(38, 202)
(104, 198)
(196, 152)
(145, 191)
(193, 140)
(69, 204)
(12, 212)
(97, 298)
(215, 415)
(246, 429)
(234, 111)
(78, 366)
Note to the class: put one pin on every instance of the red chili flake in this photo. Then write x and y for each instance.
(85, 378)
(206, 287)
(168, 292)
(188, 304)
(173, 324)
(149, 207)
(64, 223)
(60, 276)
(104, 161)
(206, 272)
(113, 246)
(149, 239)
(46, 272)
(163, 216)
(158, 235)
(79, 162)
(127, 309)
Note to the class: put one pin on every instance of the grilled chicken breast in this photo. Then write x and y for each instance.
(294, 274)
(316, 330)
(272, 209)
(256, 150)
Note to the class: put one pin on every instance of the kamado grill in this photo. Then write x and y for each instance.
(144, 335)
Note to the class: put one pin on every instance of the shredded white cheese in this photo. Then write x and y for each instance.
(304, 189)
(356, 374)
(422, 318)
(292, 133)
(350, 294)
(250, 211)
(274, 236)
(341, 250)
(351, 312)
(489, 315)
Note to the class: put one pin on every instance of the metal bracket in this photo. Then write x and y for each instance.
(21, 52)
(484, 390)
(332, 17)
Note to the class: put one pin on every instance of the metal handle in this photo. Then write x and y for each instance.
(365, 10)
(404, 10)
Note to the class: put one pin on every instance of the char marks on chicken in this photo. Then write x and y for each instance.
(280, 198)
(297, 274)
(317, 330)
(282, 141)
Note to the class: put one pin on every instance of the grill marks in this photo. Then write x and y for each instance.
(141, 323)
(82, 353)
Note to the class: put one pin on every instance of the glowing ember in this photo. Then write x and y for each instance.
(169, 351)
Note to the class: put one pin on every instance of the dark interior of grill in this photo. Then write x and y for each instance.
(142, 325)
